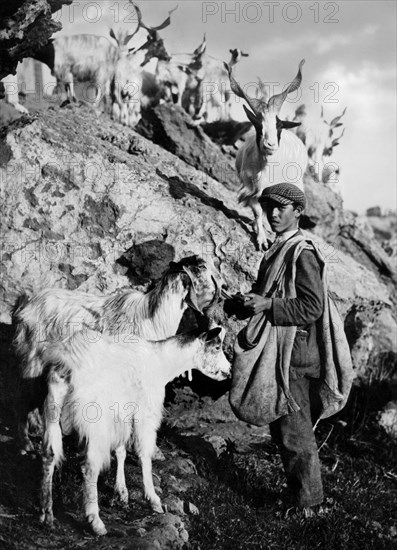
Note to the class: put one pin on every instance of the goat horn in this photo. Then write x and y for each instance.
(336, 140)
(201, 48)
(335, 120)
(257, 105)
(262, 89)
(166, 22)
(275, 102)
(151, 29)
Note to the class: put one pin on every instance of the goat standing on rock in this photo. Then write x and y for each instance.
(270, 155)
(125, 383)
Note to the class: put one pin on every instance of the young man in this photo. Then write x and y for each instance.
(291, 369)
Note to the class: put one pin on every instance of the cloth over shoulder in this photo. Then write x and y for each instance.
(262, 353)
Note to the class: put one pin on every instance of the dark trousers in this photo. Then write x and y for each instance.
(295, 439)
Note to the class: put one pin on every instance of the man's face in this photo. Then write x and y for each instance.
(281, 217)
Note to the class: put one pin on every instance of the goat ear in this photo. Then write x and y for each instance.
(211, 334)
(253, 118)
(185, 69)
(231, 51)
(289, 124)
(245, 54)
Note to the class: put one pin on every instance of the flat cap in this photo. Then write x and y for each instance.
(284, 193)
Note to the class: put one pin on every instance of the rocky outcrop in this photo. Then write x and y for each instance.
(25, 26)
(357, 238)
(173, 129)
(106, 208)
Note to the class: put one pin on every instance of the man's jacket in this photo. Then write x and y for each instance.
(302, 311)
(273, 342)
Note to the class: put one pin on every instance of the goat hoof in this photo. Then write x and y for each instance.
(47, 519)
(158, 455)
(96, 525)
(156, 507)
(121, 498)
(27, 447)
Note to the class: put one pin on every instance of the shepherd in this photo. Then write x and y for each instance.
(292, 359)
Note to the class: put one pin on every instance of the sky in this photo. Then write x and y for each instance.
(350, 53)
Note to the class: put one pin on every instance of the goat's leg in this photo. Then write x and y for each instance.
(52, 451)
(23, 410)
(258, 226)
(90, 471)
(120, 488)
(145, 444)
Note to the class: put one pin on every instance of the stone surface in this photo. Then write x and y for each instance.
(25, 26)
(171, 127)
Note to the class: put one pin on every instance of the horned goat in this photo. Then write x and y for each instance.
(213, 87)
(172, 76)
(111, 65)
(124, 382)
(268, 155)
(11, 96)
(127, 83)
(53, 313)
(318, 136)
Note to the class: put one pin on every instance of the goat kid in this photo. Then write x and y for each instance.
(318, 136)
(124, 384)
(269, 154)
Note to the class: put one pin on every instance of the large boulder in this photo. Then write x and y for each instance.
(172, 128)
(25, 27)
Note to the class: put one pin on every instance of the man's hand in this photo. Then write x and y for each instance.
(254, 303)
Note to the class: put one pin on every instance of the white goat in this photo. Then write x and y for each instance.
(125, 383)
(213, 87)
(84, 57)
(172, 76)
(127, 83)
(318, 136)
(111, 65)
(11, 96)
(269, 155)
(53, 314)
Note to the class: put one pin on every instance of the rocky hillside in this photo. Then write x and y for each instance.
(91, 205)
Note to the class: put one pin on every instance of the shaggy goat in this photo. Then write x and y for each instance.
(124, 382)
(318, 136)
(268, 155)
(53, 314)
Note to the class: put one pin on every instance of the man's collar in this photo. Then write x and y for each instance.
(285, 236)
(279, 241)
